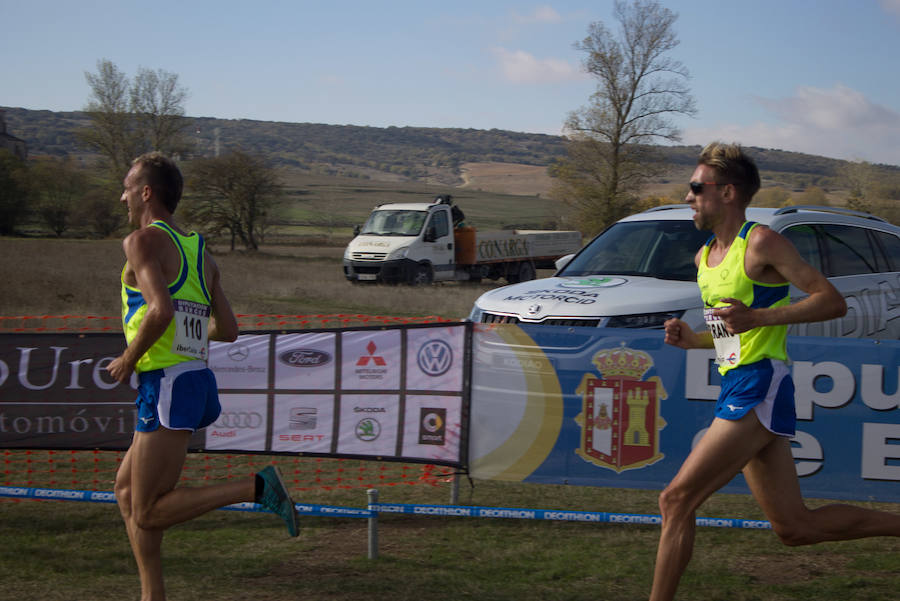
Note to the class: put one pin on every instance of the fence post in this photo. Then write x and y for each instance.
(372, 495)
(454, 490)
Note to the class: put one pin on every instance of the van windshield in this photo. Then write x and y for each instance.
(656, 249)
(394, 223)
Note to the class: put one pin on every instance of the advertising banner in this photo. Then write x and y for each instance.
(394, 394)
(614, 407)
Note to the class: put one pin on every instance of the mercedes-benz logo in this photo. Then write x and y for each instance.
(238, 352)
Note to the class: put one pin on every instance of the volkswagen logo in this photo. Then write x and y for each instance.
(435, 357)
(238, 352)
(239, 419)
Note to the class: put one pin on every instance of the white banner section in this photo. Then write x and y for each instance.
(375, 393)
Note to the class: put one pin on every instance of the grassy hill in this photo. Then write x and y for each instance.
(336, 173)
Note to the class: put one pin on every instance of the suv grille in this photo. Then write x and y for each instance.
(583, 323)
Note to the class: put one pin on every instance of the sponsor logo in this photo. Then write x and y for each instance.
(534, 309)
(368, 429)
(371, 357)
(435, 357)
(238, 352)
(369, 410)
(303, 357)
(432, 425)
(592, 282)
(303, 418)
(620, 419)
(239, 419)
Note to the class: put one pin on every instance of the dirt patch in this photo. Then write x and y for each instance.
(778, 570)
(506, 178)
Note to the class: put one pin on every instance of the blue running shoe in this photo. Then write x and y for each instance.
(276, 498)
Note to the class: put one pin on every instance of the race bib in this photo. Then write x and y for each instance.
(728, 346)
(191, 329)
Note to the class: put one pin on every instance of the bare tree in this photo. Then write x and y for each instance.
(158, 105)
(639, 90)
(112, 127)
(129, 118)
(235, 195)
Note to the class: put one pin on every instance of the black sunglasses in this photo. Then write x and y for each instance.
(697, 187)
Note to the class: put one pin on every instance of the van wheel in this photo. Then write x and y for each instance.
(422, 276)
(521, 272)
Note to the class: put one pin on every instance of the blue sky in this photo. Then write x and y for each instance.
(810, 76)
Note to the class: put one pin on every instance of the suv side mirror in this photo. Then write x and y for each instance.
(430, 234)
(356, 230)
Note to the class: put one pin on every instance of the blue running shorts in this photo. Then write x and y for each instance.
(766, 387)
(181, 397)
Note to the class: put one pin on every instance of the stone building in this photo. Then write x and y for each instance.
(10, 142)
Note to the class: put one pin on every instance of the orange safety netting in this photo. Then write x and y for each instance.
(96, 470)
(97, 323)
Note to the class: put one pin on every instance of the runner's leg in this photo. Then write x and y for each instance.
(772, 478)
(721, 454)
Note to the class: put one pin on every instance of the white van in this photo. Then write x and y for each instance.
(640, 272)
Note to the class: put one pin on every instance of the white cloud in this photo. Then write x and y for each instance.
(519, 66)
(541, 14)
(839, 122)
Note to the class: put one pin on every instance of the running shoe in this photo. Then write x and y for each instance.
(276, 498)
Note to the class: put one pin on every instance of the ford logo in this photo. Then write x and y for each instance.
(305, 357)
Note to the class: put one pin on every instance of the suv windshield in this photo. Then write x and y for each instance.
(394, 223)
(657, 249)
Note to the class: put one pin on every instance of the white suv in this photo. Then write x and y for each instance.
(640, 271)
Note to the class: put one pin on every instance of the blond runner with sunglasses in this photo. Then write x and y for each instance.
(744, 272)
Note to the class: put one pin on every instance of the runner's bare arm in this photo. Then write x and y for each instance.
(223, 324)
(770, 258)
(142, 250)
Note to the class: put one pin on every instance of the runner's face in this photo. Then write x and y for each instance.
(706, 204)
(132, 197)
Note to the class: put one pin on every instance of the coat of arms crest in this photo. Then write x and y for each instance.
(620, 419)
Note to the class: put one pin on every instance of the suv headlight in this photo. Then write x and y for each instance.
(643, 320)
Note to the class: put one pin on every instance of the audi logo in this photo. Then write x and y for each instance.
(239, 419)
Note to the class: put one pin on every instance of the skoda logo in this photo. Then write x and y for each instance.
(368, 429)
(304, 357)
(238, 352)
(534, 309)
(239, 419)
(435, 357)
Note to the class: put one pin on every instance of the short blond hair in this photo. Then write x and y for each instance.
(732, 166)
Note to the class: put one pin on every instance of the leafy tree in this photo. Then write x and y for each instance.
(14, 191)
(234, 195)
(102, 212)
(129, 118)
(859, 178)
(59, 187)
(638, 89)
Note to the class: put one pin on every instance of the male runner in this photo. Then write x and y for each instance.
(744, 273)
(172, 305)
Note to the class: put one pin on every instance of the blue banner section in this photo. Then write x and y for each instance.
(632, 407)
